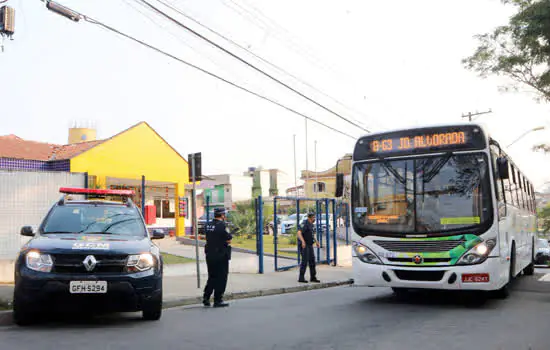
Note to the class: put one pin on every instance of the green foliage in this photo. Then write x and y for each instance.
(544, 218)
(243, 219)
(519, 50)
(293, 236)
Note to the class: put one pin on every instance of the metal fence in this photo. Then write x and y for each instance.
(325, 225)
(25, 197)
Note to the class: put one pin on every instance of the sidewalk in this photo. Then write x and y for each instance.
(180, 281)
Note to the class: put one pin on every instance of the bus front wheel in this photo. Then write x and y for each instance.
(504, 292)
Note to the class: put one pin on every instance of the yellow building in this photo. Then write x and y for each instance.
(322, 184)
(120, 161)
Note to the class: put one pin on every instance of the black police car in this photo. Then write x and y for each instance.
(89, 254)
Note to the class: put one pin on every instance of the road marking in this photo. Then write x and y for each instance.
(545, 278)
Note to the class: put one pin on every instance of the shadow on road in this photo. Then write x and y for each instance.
(435, 299)
(86, 320)
(442, 299)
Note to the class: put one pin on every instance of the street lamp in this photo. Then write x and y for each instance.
(538, 128)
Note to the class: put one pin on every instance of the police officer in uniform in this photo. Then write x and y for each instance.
(306, 239)
(218, 254)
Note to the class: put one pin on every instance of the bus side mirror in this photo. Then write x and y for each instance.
(339, 185)
(502, 167)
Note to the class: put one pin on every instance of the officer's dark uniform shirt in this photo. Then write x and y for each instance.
(307, 232)
(216, 240)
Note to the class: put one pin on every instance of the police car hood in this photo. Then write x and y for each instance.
(110, 244)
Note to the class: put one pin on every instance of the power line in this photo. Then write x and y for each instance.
(250, 65)
(146, 15)
(105, 26)
(175, 9)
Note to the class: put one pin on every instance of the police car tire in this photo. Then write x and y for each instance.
(153, 311)
(152, 314)
(21, 316)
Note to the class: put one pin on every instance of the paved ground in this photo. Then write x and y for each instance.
(334, 318)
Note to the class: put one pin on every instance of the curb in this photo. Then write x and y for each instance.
(6, 304)
(256, 293)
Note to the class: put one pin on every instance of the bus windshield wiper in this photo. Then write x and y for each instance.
(437, 167)
(387, 165)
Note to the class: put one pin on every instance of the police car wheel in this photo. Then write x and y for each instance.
(152, 314)
(152, 311)
(21, 315)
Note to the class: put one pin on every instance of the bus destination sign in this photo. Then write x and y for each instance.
(419, 141)
(422, 140)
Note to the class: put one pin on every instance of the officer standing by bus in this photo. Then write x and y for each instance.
(218, 254)
(307, 239)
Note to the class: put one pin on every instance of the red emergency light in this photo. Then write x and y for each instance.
(123, 193)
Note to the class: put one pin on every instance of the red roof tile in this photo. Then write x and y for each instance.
(12, 146)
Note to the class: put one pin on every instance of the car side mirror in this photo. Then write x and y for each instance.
(27, 231)
(503, 169)
(339, 185)
(157, 234)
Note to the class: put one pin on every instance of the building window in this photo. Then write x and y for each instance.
(319, 187)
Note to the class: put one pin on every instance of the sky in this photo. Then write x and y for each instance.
(388, 64)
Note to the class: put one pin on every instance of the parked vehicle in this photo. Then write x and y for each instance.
(290, 223)
(542, 255)
(201, 221)
(93, 254)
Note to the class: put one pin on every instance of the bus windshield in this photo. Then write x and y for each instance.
(430, 194)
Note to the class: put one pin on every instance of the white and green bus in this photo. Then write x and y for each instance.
(439, 207)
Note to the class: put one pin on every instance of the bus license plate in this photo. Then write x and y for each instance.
(88, 287)
(475, 277)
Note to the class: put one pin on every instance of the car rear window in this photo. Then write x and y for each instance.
(107, 219)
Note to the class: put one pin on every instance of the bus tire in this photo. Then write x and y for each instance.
(504, 292)
(529, 270)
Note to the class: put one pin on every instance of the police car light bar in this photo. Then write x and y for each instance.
(123, 193)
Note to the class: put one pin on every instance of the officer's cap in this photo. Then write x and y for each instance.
(219, 211)
(311, 215)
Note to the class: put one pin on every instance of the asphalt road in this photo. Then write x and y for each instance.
(334, 318)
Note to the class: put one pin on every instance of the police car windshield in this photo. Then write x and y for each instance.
(100, 219)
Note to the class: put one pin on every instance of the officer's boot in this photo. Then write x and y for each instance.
(220, 303)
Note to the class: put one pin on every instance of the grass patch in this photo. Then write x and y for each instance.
(269, 247)
(170, 259)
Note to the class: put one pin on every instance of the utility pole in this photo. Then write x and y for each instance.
(307, 165)
(195, 160)
(470, 114)
(295, 178)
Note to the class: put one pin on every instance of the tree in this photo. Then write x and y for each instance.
(519, 50)
(544, 218)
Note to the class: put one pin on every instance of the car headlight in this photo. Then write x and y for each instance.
(39, 262)
(140, 262)
(478, 253)
(366, 255)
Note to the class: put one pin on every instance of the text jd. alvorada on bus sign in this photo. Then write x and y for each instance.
(419, 141)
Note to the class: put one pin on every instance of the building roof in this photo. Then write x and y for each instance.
(12, 146)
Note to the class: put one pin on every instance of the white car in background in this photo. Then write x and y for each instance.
(290, 223)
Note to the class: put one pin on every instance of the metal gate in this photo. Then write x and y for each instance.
(287, 256)
(25, 198)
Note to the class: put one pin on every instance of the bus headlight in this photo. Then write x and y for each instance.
(478, 253)
(366, 255)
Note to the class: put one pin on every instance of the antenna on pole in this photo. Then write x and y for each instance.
(469, 115)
